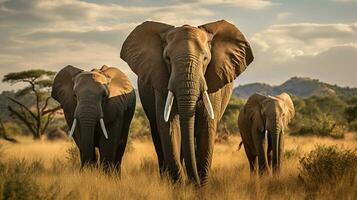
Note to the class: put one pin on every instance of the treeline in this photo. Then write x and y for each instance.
(323, 116)
(32, 111)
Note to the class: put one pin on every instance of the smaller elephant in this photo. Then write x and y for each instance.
(262, 123)
(98, 105)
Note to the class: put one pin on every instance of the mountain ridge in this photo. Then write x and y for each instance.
(298, 86)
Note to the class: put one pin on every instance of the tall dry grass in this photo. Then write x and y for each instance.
(58, 178)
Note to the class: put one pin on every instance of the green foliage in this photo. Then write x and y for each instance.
(329, 166)
(229, 121)
(323, 116)
(139, 126)
(292, 153)
(353, 125)
(37, 113)
(351, 113)
(28, 75)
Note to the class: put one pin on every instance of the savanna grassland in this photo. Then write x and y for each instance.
(50, 170)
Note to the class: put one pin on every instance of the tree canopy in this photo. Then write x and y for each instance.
(37, 116)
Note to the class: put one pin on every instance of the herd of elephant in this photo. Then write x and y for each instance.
(185, 81)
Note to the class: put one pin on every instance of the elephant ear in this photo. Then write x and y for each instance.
(119, 83)
(230, 54)
(253, 109)
(290, 110)
(62, 90)
(143, 51)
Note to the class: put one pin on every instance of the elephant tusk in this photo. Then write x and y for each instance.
(208, 104)
(74, 124)
(102, 125)
(266, 132)
(168, 105)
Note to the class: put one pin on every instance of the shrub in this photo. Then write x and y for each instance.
(72, 157)
(229, 121)
(328, 167)
(319, 124)
(17, 181)
(139, 126)
(292, 153)
(353, 125)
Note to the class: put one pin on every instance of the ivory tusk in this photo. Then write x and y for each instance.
(74, 124)
(102, 125)
(208, 104)
(168, 105)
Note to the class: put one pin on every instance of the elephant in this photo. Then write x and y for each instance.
(262, 123)
(98, 105)
(185, 79)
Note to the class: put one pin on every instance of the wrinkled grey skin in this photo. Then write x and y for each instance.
(262, 123)
(186, 61)
(90, 96)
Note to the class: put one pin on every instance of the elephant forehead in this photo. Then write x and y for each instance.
(189, 32)
(97, 77)
(100, 78)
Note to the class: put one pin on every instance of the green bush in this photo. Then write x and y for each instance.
(139, 126)
(353, 125)
(328, 167)
(229, 121)
(292, 153)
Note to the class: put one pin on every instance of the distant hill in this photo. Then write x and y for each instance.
(302, 87)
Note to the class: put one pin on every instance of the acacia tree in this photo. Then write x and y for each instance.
(37, 114)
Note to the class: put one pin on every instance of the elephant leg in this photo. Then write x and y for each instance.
(261, 147)
(124, 135)
(206, 129)
(251, 158)
(170, 139)
(108, 148)
(147, 96)
(205, 132)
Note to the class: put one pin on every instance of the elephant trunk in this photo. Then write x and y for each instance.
(275, 146)
(86, 143)
(188, 86)
(89, 114)
(186, 110)
(275, 141)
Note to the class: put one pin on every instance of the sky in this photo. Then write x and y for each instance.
(305, 38)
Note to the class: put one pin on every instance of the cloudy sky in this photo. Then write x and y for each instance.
(316, 38)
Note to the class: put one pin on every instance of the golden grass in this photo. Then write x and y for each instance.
(230, 177)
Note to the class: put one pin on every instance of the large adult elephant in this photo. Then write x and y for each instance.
(262, 121)
(99, 106)
(185, 77)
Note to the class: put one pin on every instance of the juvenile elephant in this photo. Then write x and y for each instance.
(262, 123)
(185, 77)
(98, 106)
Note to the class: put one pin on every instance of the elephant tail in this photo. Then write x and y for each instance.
(240, 145)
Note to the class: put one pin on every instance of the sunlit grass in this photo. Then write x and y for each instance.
(57, 177)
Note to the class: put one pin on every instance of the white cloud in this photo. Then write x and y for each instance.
(304, 39)
(250, 4)
(52, 34)
(324, 51)
(283, 16)
(344, 1)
